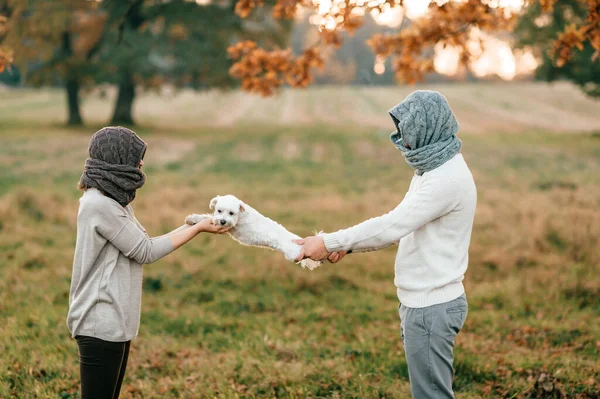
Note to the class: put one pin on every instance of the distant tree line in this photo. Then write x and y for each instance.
(129, 44)
(145, 44)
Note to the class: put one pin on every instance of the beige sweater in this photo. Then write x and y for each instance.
(106, 285)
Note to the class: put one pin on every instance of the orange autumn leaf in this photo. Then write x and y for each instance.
(243, 8)
(575, 36)
(178, 32)
(6, 58)
(547, 5)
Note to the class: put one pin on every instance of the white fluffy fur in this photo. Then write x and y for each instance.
(253, 229)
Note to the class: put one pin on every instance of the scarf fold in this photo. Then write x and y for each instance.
(118, 182)
(425, 122)
(431, 156)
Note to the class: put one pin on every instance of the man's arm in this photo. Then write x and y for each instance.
(432, 199)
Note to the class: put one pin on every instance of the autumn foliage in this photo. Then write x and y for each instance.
(448, 23)
(575, 35)
(262, 71)
(6, 56)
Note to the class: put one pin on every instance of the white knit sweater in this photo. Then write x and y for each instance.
(433, 225)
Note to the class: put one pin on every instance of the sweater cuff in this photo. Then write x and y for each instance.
(331, 243)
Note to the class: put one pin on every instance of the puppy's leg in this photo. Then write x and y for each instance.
(195, 218)
(291, 252)
(290, 249)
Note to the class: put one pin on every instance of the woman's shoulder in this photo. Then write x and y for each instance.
(94, 201)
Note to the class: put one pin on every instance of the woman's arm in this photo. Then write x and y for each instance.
(185, 233)
(180, 228)
(114, 225)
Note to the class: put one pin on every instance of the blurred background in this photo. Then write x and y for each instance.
(222, 320)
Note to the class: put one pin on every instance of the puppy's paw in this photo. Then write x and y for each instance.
(194, 218)
(310, 264)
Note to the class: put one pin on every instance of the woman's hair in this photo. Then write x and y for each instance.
(82, 186)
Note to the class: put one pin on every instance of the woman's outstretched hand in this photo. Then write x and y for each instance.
(207, 226)
(186, 232)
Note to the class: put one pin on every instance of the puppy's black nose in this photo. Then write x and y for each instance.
(223, 222)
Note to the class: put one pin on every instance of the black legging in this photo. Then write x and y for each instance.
(102, 367)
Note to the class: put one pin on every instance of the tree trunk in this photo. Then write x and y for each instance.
(124, 106)
(72, 86)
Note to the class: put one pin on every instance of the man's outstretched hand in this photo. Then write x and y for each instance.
(335, 257)
(314, 248)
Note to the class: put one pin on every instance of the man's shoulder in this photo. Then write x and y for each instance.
(451, 178)
(455, 168)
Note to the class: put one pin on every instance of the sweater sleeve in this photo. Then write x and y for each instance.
(114, 225)
(435, 197)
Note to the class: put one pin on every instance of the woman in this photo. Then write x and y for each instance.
(433, 225)
(112, 246)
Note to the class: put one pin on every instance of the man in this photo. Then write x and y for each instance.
(433, 226)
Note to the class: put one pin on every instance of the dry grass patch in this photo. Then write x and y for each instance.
(223, 320)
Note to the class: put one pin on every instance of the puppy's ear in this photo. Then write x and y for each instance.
(213, 202)
(242, 209)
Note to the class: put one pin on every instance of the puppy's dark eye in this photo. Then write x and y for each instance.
(219, 211)
(231, 213)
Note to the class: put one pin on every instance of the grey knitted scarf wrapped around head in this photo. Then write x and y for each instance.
(425, 122)
(113, 165)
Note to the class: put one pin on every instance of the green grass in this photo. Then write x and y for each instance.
(222, 320)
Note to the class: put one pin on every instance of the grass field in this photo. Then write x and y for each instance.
(221, 320)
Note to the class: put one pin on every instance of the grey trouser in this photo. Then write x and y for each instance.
(428, 337)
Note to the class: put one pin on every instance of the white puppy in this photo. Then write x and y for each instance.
(251, 228)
